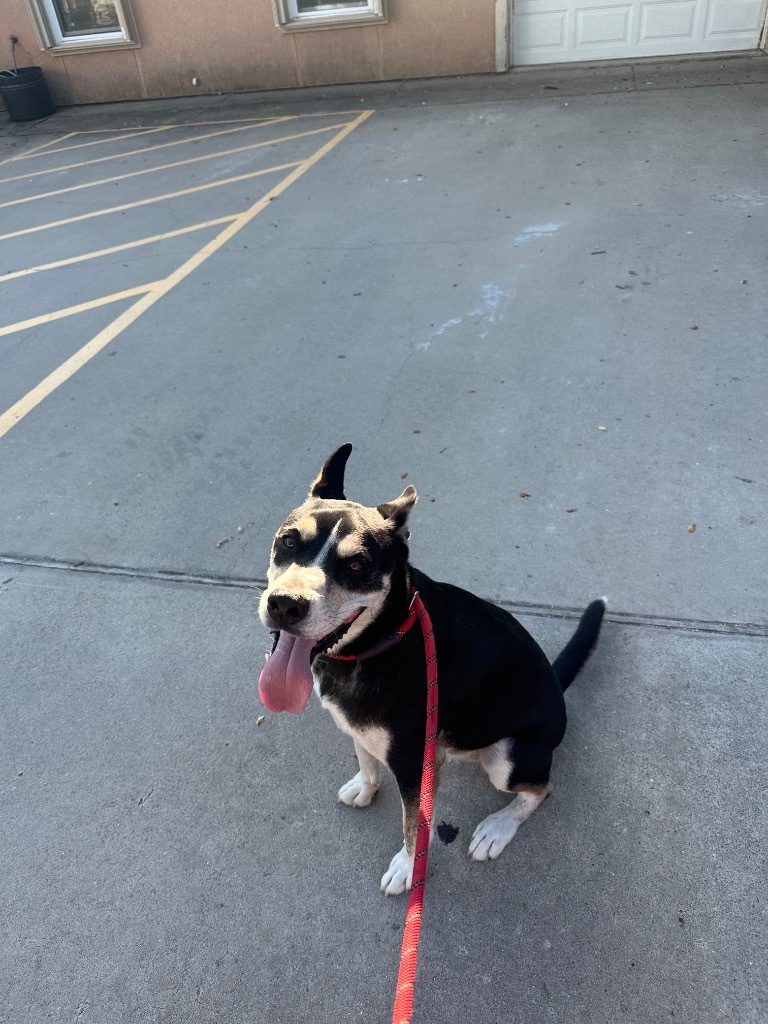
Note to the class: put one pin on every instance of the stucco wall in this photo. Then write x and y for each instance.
(234, 46)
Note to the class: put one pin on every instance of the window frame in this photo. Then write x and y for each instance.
(288, 18)
(51, 38)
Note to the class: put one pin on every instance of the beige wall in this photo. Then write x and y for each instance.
(233, 45)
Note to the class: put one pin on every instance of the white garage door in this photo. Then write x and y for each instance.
(545, 31)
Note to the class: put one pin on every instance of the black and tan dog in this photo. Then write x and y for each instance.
(340, 584)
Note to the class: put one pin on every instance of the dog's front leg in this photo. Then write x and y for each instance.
(361, 789)
(399, 875)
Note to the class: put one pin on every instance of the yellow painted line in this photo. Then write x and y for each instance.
(67, 369)
(166, 167)
(147, 202)
(81, 307)
(37, 149)
(131, 152)
(236, 120)
(94, 142)
(135, 133)
(193, 124)
(117, 248)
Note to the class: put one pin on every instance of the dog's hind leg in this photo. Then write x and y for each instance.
(363, 787)
(495, 832)
(512, 767)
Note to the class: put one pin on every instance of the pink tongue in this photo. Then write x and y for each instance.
(285, 683)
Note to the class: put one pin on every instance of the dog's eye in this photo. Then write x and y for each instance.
(288, 541)
(355, 565)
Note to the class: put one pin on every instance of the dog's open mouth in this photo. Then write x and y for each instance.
(285, 683)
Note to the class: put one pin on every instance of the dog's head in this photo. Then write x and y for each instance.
(333, 560)
(333, 565)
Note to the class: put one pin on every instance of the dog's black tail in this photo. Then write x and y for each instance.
(580, 646)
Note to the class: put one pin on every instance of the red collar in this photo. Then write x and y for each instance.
(386, 642)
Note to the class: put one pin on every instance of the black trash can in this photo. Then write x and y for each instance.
(25, 94)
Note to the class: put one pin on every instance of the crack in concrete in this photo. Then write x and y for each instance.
(682, 624)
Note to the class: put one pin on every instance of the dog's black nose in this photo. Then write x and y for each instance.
(286, 611)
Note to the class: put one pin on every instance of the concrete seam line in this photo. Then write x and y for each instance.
(681, 624)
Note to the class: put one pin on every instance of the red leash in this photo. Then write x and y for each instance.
(406, 978)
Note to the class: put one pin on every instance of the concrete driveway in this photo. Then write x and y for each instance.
(540, 299)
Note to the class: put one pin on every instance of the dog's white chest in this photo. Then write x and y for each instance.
(374, 738)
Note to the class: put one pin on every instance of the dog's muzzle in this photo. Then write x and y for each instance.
(286, 611)
(285, 683)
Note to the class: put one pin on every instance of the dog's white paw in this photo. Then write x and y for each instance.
(399, 875)
(493, 834)
(357, 792)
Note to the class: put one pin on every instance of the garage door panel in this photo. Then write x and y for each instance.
(599, 25)
(543, 30)
(733, 17)
(673, 21)
(549, 31)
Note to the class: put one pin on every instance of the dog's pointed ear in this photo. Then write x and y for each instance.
(396, 512)
(330, 481)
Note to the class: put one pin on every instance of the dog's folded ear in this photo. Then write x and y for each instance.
(396, 512)
(330, 482)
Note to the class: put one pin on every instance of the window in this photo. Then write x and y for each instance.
(67, 26)
(296, 15)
